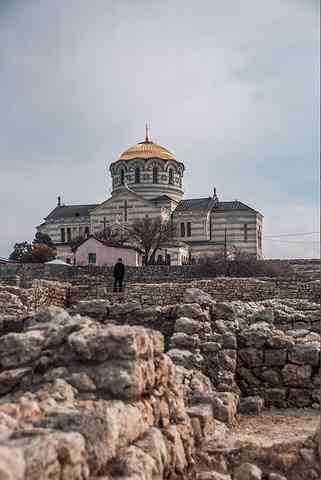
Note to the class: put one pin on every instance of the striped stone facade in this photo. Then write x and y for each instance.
(235, 227)
(124, 207)
(148, 181)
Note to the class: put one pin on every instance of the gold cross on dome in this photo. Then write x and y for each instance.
(146, 133)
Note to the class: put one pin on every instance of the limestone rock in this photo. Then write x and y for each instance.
(124, 309)
(49, 314)
(229, 341)
(251, 357)
(213, 476)
(204, 416)
(184, 341)
(279, 340)
(82, 382)
(122, 379)
(11, 378)
(195, 295)
(55, 456)
(181, 357)
(187, 325)
(297, 375)
(93, 308)
(153, 444)
(264, 315)
(115, 342)
(253, 338)
(271, 377)
(21, 348)
(222, 311)
(247, 471)
(191, 310)
(224, 406)
(274, 358)
(12, 464)
(7, 426)
(276, 476)
(305, 355)
(251, 405)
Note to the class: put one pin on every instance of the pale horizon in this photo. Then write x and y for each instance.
(232, 92)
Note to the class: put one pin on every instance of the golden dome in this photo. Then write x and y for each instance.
(146, 149)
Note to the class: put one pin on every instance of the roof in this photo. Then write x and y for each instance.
(57, 261)
(162, 198)
(108, 243)
(174, 243)
(235, 205)
(209, 202)
(5, 260)
(70, 211)
(195, 204)
(146, 149)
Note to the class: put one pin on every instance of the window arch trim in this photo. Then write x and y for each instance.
(137, 174)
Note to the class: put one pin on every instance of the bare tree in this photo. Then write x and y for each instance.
(113, 234)
(149, 234)
(241, 264)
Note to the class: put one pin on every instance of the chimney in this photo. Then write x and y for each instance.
(59, 201)
(215, 197)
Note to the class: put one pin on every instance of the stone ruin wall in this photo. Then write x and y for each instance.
(280, 371)
(73, 383)
(88, 400)
(226, 289)
(24, 274)
(230, 347)
(45, 293)
(64, 294)
(221, 289)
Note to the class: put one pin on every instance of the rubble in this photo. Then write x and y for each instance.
(110, 391)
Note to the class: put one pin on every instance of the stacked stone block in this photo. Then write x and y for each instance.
(103, 400)
(278, 368)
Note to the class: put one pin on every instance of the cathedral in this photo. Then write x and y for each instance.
(148, 180)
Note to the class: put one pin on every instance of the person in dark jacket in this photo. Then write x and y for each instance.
(119, 272)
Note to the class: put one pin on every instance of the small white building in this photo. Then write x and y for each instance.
(93, 251)
(175, 253)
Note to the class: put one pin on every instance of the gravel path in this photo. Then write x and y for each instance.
(276, 426)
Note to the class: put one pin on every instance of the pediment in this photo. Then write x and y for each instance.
(122, 194)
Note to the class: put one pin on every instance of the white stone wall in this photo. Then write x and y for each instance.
(146, 187)
(241, 229)
(200, 227)
(77, 228)
(113, 210)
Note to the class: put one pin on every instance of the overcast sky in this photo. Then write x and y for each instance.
(230, 87)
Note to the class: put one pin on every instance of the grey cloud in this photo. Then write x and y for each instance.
(231, 90)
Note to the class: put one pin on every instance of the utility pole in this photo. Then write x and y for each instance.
(225, 250)
(225, 243)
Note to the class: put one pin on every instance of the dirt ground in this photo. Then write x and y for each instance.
(276, 426)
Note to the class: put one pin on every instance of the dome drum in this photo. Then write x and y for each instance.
(150, 170)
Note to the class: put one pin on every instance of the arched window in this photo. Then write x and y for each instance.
(122, 177)
(182, 229)
(137, 175)
(155, 174)
(171, 176)
(189, 229)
